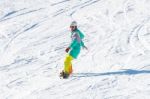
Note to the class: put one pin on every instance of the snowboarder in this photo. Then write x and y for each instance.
(73, 50)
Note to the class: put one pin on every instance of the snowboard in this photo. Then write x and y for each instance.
(63, 75)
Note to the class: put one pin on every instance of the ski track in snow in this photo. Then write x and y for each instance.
(74, 9)
(10, 14)
(34, 35)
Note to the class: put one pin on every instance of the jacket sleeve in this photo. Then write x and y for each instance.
(81, 37)
(82, 44)
(74, 42)
(81, 34)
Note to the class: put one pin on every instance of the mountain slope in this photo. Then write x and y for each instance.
(34, 35)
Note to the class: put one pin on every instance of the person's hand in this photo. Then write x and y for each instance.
(67, 49)
(85, 48)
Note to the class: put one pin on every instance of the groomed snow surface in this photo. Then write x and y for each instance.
(35, 33)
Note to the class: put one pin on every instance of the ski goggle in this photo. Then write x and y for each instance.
(72, 26)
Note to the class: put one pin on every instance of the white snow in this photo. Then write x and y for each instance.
(35, 33)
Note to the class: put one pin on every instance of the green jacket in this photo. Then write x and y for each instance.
(76, 43)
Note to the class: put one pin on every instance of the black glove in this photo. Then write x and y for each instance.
(85, 48)
(67, 49)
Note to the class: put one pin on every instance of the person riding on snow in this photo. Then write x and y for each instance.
(74, 48)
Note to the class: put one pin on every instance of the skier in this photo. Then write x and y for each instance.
(73, 50)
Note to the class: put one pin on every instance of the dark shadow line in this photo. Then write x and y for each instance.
(121, 72)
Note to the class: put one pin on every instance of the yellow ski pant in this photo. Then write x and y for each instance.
(68, 64)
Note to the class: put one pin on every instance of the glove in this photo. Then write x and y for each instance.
(67, 49)
(85, 48)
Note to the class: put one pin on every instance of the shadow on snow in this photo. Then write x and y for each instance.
(121, 72)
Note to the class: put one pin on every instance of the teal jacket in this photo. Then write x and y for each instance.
(76, 43)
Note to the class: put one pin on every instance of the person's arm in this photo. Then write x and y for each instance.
(83, 45)
(81, 34)
(73, 43)
(81, 37)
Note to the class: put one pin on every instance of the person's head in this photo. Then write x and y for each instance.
(73, 26)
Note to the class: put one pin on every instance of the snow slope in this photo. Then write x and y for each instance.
(35, 33)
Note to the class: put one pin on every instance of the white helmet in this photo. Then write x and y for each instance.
(73, 23)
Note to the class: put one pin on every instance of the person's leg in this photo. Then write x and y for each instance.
(68, 64)
(70, 69)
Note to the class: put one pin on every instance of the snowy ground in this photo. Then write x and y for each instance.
(35, 33)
